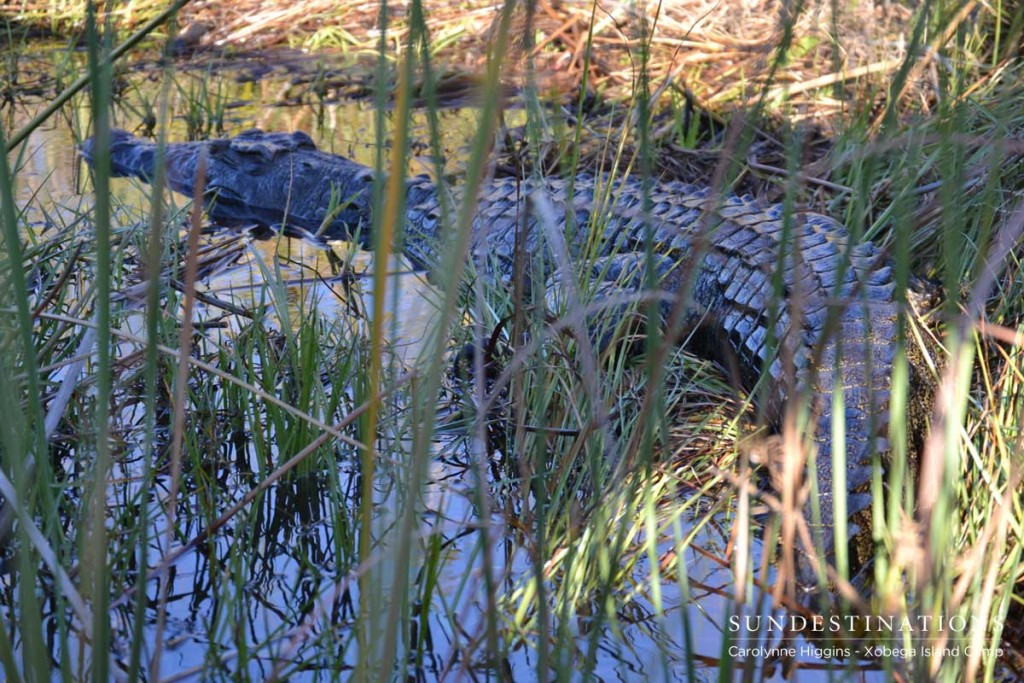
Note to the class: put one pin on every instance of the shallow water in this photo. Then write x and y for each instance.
(296, 586)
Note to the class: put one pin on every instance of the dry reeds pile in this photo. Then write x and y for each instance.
(720, 53)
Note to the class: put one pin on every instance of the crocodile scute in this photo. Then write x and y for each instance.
(836, 321)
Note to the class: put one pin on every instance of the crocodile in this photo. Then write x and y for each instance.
(837, 317)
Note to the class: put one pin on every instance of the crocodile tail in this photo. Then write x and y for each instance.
(853, 377)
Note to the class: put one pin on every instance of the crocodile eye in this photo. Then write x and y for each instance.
(300, 140)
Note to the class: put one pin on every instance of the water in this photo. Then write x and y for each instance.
(292, 585)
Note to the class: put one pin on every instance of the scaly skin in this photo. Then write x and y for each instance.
(724, 252)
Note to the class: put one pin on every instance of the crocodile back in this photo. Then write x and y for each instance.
(758, 291)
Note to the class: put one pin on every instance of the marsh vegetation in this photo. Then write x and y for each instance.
(228, 454)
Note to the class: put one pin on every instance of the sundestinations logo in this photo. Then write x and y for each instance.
(898, 637)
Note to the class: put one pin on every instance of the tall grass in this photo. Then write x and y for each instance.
(265, 503)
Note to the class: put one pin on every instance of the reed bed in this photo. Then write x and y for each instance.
(162, 444)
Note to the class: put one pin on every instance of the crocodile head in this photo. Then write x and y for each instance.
(129, 156)
(134, 157)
